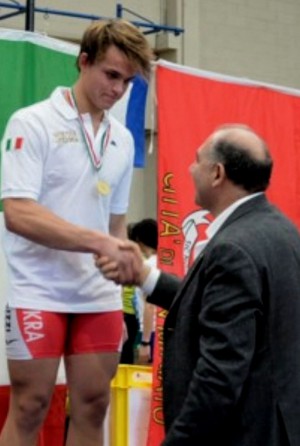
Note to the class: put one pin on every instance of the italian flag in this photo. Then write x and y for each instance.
(14, 143)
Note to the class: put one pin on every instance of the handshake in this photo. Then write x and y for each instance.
(123, 264)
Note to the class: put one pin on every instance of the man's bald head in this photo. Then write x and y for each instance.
(245, 156)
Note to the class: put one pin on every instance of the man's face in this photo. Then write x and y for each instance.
(202, 170)
(105, 82)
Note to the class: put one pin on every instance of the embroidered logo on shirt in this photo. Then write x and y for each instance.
(14, 143)
(65, 137)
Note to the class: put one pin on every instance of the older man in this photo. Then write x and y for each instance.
(231, 368)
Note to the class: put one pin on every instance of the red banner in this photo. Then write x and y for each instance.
(191, 104)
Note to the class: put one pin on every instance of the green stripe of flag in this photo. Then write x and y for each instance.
(8, 144)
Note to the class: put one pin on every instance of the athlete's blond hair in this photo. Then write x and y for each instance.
(100, 35)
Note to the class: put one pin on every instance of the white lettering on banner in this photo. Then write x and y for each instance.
(33, 324)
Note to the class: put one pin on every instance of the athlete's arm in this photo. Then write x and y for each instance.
(117, 226)
(33, 221)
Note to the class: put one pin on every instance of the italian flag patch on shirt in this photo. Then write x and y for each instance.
(14, 143)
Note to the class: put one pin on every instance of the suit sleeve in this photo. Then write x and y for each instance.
(231, 309)
(164, 291)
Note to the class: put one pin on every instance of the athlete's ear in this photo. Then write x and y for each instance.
(83, 60)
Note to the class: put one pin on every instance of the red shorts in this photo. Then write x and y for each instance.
(42, 334)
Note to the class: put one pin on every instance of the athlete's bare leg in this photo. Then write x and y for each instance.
(32, 384)
(89, 377)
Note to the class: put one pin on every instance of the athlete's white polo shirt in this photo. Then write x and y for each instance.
(45, 158)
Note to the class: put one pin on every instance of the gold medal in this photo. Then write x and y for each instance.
(103, 188)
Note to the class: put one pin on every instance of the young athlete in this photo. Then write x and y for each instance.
(66, 173)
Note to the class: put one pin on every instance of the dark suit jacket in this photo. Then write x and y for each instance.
(231, 368)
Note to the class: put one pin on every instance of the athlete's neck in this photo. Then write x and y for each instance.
(83, 105)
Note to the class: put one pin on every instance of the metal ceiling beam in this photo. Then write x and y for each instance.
(30, 10)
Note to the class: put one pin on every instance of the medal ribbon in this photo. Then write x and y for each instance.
(97, 160)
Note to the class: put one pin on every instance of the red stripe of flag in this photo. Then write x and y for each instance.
(19, 143)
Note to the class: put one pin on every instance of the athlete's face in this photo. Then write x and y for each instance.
(105, 81)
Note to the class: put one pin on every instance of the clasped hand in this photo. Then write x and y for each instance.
(124, 265)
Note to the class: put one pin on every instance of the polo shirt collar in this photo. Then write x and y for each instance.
(63, 107)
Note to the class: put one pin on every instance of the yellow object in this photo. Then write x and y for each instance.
(120, 418)
(128, 377)
(129, 297)
(103, 188)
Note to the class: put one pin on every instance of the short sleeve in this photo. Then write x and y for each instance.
(22, 158)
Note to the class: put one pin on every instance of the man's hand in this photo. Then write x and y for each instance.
(127, 267)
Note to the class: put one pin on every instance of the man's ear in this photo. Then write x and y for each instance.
(219, 174)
